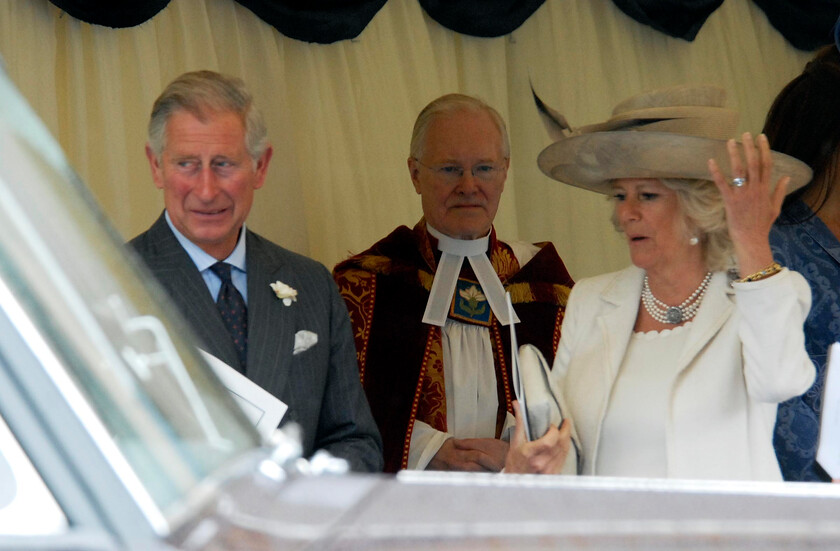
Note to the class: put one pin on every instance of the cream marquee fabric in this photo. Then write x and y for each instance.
(340, 115)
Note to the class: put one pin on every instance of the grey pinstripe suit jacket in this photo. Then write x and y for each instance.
(320, 385)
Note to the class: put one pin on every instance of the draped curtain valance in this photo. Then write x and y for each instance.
(806, 24)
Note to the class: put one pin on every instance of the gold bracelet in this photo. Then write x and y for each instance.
(773, 268)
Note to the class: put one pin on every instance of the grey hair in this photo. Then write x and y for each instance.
(204, 92)
(703, 216)
(451, 103)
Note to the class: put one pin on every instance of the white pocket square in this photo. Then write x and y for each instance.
(304, 340)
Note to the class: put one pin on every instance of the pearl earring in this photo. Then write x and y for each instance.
(694, 240)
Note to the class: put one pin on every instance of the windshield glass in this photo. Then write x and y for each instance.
(171, 420)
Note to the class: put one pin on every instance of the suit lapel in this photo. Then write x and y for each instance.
(271, 324)
(176, 271)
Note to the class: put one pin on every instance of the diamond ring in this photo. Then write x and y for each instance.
(738, 182)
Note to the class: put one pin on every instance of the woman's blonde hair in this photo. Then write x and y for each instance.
(701, 206)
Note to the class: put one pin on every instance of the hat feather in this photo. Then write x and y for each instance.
(554, 122)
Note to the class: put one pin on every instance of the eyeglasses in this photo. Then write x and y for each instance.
(452, 173)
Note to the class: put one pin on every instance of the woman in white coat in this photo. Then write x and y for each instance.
(674, 366)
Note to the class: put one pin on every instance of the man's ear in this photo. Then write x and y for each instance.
(507, 167)
(154, 164)
(262, 167)
(414, 172)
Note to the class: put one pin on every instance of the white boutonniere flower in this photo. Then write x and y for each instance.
(285, 293)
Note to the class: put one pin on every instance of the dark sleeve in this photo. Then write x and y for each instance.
(346, 428)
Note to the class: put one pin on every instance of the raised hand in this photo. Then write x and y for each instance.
(751, 207)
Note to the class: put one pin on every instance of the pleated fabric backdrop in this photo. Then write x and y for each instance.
(340, 114)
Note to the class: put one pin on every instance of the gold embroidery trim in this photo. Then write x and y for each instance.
(417, 391)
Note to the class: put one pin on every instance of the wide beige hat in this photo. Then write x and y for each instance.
(667, 133)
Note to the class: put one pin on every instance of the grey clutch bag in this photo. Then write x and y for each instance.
(540, 399)
(533, 389)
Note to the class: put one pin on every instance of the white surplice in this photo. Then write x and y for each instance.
(470, 379)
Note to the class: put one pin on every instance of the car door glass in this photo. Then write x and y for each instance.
(26, 505)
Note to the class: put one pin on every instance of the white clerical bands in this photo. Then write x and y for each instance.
(446, 278)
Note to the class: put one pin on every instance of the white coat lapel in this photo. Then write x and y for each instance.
(621, 310)
(716, 308)
(620, 306)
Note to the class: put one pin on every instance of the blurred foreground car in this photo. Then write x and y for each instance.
(115, 434)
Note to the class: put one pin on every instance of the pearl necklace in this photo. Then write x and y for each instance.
(663, 313)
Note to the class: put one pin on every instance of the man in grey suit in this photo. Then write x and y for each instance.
(208, 151)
